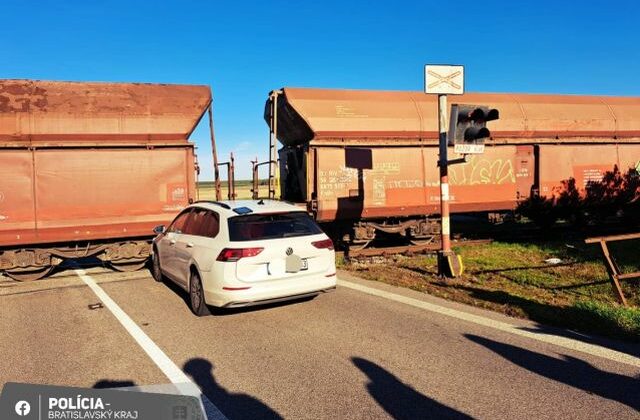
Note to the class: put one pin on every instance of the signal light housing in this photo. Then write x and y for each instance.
(468, 127)
(235, 254)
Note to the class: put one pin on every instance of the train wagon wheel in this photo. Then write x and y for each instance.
(29, 275)
(128, 266)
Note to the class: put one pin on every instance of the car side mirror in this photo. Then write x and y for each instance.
(159, 229)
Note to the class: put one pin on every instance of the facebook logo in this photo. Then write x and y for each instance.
(22, 408)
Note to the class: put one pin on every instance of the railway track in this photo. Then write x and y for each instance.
(385, 251)
(479, 234)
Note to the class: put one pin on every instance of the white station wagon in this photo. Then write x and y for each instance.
(241, 253)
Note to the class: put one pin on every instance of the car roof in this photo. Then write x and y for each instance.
(256, 206)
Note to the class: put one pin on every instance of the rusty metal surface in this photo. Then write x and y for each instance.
(34, 112)
(66, 195)
(90, 162)
(378, 182)
(324, 114)
(584, 164)
(373, 154)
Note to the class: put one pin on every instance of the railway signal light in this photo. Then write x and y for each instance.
(468, 127)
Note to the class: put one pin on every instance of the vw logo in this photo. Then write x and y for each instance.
(289, 251)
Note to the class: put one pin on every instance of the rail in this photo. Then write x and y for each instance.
(615, 274)
(231, 179)
(387, 251)
(255, 189)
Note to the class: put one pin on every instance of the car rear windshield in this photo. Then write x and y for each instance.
(255, 227)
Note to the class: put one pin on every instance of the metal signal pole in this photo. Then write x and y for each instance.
(216, 172)
(273, 144)
(444, 176)
(442, 80)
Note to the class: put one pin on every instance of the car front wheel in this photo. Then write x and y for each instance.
(156, 271)
(196, 295)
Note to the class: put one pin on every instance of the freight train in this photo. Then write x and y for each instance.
(88, 169)
(365, 162)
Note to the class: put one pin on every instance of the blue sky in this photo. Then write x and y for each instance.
(245, 49)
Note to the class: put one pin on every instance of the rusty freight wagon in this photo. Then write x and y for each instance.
(88, 169)
(365, 161)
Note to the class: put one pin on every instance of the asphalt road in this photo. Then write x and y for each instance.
(378, 352)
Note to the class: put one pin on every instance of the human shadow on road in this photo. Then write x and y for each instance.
(569, 370)
(232, 405)
(399, 400)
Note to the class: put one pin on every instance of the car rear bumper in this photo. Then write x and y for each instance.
(242, 304)
(268, 292)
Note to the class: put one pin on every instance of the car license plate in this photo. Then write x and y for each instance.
(294, 264)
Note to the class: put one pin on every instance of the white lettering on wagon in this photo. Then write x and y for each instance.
(332, 180)
(406, 183)
(178, 194)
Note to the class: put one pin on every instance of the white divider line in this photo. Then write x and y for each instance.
(557, 340)
(182, 382)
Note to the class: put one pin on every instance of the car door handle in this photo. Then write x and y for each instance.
(189, 245)
(172, 242)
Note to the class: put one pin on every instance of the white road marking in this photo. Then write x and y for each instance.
(181, 381)
(560, 341)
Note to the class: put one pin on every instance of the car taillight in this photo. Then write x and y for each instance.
(234, 254)
(323, 244)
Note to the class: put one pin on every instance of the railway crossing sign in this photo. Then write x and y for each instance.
(444, 79)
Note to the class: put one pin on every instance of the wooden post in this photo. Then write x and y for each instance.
(614, 272)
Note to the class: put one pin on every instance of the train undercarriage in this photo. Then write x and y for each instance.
(350, 236)
(34, 263)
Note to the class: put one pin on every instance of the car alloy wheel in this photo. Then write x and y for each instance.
(156, 271)
(196, 294)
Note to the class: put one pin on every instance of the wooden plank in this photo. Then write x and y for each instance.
(612, 268)
(612, 238)
(627, 276)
